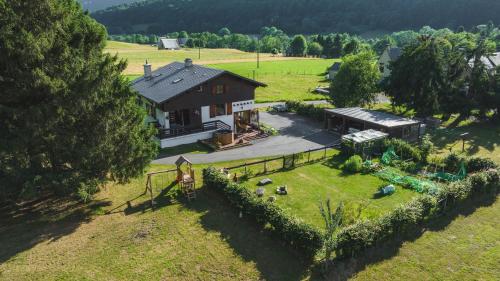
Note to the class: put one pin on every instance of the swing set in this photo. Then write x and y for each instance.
(184, 177)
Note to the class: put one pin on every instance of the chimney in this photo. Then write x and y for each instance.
(188, 62)
(147, 71)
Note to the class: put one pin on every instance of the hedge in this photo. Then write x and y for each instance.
(354, 239)
(295, 233)
(308, 110)
(473, 164)
(406, 149)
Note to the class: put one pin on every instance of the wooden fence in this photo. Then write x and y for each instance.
(284, 162)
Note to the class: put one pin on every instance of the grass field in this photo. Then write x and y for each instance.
(286, 80)
(136, 55)
(311, 184)
(205, 240)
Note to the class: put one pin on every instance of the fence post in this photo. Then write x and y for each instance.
(284, 159)
(293, 160)
(265, 166)
(308, 156)
(324, 154)
(245, 168)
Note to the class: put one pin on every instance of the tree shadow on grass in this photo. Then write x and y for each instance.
(344, 269)
(250, 241)
(24, 225)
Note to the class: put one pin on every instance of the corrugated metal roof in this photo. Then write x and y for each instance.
(372, 116)
(177, 78)
(365, 136)
(169, 43)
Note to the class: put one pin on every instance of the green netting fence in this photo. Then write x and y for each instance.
(419, 185)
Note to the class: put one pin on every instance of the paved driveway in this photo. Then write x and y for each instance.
(296, 134)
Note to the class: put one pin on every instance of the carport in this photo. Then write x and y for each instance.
(355, 119)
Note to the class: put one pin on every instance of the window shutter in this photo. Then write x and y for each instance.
(213, 110)
(229, 108)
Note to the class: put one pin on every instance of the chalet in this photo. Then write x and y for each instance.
(389, 55)
(354, 119)
(190, 102)
(491, 62)
(332, 70)
(168, 44)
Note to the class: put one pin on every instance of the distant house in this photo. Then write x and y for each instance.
(354, 119)
(168, 44)
(190, 102)
(389, 55)
(332, 70)
(490, 62)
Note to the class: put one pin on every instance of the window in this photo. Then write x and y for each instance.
(219, 89)
(229, 108)
(199, 89)
(220, 109)
(217, 110)
(381, 67)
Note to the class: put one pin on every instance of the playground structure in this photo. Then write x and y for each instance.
(184, 177)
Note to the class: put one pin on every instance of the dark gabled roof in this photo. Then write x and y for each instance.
(394, 53)
(372, 116)
(174, 79)
(335, 66)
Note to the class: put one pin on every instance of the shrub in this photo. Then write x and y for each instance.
(295, 233)
(353, 165)
(404, 149)
(308, 110)
(477, 164)
(452, 162)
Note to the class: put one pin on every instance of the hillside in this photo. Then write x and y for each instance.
(94, 5)
(296, 16)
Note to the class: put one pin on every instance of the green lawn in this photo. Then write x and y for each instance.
(466, 248)
(205, 239)
(311, 184)
(483, 139)
(286, 80)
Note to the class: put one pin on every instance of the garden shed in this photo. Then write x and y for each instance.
(354, 119)
(364, 142)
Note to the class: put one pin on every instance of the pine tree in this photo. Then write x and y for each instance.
(70, 121)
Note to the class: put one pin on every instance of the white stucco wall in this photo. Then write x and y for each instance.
(205, 117)
(186, 139)
(160, 116)
(386, 60)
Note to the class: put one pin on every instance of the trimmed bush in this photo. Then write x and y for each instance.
(354, 239)
(295, 233)
(308, 110)
(476, 164)
(353, 165)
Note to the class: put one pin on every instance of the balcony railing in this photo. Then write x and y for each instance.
(207, 126)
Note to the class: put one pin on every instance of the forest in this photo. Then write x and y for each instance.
(295, 16)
